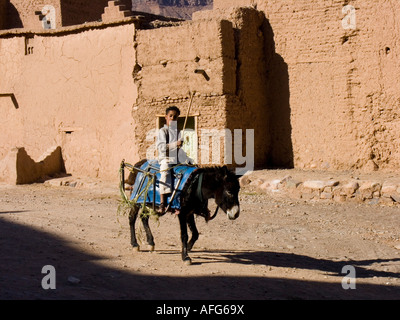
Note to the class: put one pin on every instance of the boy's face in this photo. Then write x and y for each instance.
(171, 116)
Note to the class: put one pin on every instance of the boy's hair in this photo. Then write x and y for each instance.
(173, 108)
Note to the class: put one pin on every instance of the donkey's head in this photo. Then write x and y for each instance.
(227, 195)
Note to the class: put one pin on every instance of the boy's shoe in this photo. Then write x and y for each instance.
(162, 209)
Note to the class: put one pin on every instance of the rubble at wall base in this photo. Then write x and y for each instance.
(311, 186)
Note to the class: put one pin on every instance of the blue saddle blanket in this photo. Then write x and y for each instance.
(142, 181)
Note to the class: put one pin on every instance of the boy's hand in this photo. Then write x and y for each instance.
(179, 143)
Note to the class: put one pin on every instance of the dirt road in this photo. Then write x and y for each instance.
(277, 249)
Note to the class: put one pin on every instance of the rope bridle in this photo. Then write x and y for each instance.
(199, 195)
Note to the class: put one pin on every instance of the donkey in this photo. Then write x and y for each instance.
(205, 183)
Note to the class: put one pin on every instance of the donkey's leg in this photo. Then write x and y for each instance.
(149, 235)
(195, 233)
(184, 237)
(132, 220)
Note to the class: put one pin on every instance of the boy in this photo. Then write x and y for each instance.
(170, 153)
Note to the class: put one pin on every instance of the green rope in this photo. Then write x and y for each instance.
(127, 204)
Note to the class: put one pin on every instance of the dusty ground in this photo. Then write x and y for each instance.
(277, 249)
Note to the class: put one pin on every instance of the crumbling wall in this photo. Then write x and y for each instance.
(167, 60)
(19, 168)
(174, 53)
(222, 58)
(74, 90)
(342, 100)
(248, 106)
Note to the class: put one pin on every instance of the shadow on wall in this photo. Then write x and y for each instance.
(13, 18)
(281, 150)
(262, 88)
(19, 168)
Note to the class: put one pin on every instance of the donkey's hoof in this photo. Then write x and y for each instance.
(152, 248)
(136, 248)
(188, 261)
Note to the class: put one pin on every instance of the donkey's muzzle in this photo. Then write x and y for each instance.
(233, 213)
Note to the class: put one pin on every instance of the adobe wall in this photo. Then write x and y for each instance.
(76, 11)
(167, 59)
(342, 99)
(19, 168)
(230, 51)
(24, 13)
(248, 106)
(21, 13)
(74, 90)
(318, 95)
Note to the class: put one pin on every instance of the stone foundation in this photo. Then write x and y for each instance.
(310, 186)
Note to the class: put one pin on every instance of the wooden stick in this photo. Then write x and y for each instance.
(188, 111)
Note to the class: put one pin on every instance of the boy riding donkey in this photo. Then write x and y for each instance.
(170, 153)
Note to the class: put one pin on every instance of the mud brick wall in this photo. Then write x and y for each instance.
(174, 53)
(249, 107)
(341, 105)
(73, 90)
(79, 11)
(165, 74)
(231, 94)
(21, 13)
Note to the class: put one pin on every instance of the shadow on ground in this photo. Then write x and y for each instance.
(24, 251)
(290, 260)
